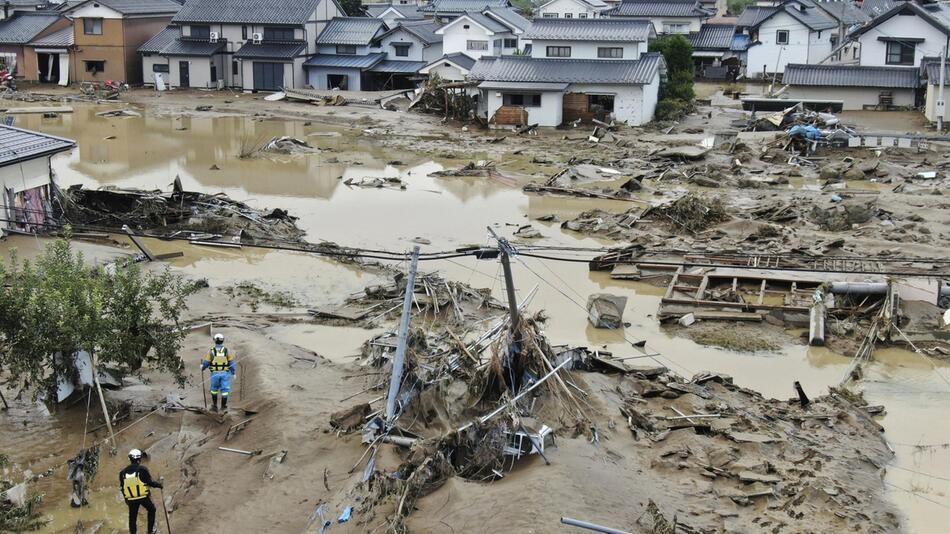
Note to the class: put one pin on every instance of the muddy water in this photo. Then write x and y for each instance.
(149, 152)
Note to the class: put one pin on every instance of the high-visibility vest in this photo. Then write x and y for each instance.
(219, 359)
(133, 488)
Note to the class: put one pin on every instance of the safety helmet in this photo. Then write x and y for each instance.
(219, 338)
(135, 454)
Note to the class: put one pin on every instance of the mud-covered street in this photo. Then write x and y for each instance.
(870, 456)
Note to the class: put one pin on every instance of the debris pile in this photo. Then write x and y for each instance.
(449, 99)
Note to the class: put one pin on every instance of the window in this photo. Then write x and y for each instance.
(95, 66)
(476, 45)
(781, 37)
(244, 33)
(511, 43)
(402, 50)
(348, 50)
(609, 52)
(582, 15)
(278, 34)
(549, 15)
(234, 68)
(675, 27)
(338, 81)
(92, 26)
(529, 100)
(568, 15)
(899, 53)
(160, 67)
(600, 104)
(559, 51)
(201, 32)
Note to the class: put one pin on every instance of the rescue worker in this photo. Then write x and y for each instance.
(135, 481)
(221, 362)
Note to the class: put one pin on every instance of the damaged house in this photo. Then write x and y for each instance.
(26, 178)
(345, 53)
(578, 70)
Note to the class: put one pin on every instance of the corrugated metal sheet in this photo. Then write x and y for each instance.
(933, 73)
(851, 76)
(21, 28)
(713, 36)
(58, 39)
(344, 62)
(614, 30)
(527, 69)
(652, 8)
(18, 145)
(350, 31)
(247, 11)
(193, 47)
(270, 50)
(398, 67)
(159, 41)
(524, 86)
(461, 6)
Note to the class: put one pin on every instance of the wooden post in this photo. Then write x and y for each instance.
(102, 400)
(400, 358)
(816, 323)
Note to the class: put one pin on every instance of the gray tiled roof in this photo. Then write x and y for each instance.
(614, 30)
(753, 15)
(528, 69)
(851, 76)
(350, 31)
(345, 61)
(932, 69)
(811, 17)
(160, 40)
(657, 8)
(509, 17)
(845, 11)
(485, 21)
(457, 58)
(247, 11)
(524, 86)
(398, 67)
(17, 144)
(407, 11)
(265, 50)
(713, 36)
(424, 30)
(873, 8)
(458, 7)
(22, 27)
(139, 7)
(193, 47)
(58, 39)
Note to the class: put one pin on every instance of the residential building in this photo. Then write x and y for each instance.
(255, 45)
(446, 10)
(857, 87)
(450, 67)
(15, 34)
(793, 32)
(572, 9)
(667, 16)
(903, 36)
(108, 33)
(52, 53)
(26, 178)
(9, 7)
(490, 32)
(345, 52)
(409, 46)
(390, 13)
(578, 70)
(714, 53)
(848, 17)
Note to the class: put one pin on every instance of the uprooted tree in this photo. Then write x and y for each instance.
(55, 306)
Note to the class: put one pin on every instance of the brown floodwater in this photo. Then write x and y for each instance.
(150, 151)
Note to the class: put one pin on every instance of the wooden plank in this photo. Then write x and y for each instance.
(669, 289)
(39, 109)
(141, 245)
(762, 292)
(724, 304)
(511, 115)
(727, 316)
(701, 292)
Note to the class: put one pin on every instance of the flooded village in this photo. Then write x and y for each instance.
(474, 266)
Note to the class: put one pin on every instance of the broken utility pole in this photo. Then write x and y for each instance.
(515, 341)
(400, 358)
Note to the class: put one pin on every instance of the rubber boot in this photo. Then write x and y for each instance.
(214, 402)
(224, 403)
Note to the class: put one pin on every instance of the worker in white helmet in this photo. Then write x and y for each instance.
(222, 364)
(135, 481)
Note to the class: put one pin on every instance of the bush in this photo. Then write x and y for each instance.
(736, 7)
(678, 87)
(676, 93)
(671, 109)
(677, 52)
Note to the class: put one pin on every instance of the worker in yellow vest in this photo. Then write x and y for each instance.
(222, 364)
(135, 481)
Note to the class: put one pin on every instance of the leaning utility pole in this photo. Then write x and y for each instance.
(400, 358)
(515, 342)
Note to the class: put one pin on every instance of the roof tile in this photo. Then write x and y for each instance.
(350, 31)
(851, 76)
(614, 30)
(528, 69)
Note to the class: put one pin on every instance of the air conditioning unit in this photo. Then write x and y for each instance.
(214, 37)
(257, 38)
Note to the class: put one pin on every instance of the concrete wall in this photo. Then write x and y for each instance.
(854, 98)
(586, 49)
(456, 37)
(874, 52)
(548, 114)
(762, 58)
(561, 7)
(318, 77)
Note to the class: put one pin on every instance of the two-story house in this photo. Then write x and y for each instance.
(345, 51)
(667, 16)
(9, 7)
(446, 10)
(572, 9)
(490, 32)
(578, 70)
(108, 33)
(793, 32)
(394, 12)
(409, 46)
(255, 45)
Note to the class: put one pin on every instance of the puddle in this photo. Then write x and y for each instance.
(339, 344)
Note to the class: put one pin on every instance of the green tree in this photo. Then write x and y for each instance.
(677, 52)
(736, 7)
(58, 305)
(676, 92)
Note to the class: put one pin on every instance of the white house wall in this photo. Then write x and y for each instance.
(651, 93)
(417, 52)
(560, 7)
(317, 77)
(854, 98)
(450, 72)
(819, 45)
(874, 52)
(548, 114)
(587, 49)
(628, 100)
(26, 175)
(148, 74)
(456, 37)
(658, 22)
(93, 10)
(763, 57)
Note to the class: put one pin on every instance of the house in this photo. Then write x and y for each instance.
(9, 7)
(667, 16)
(490, 32)
(713, 51)
(793, 32)
(254, 45)
(345, 53)
(578, 70)
(858, 87)
(52, 54)
(904, 35)
(107, 34)
(848, 17)
(572, 9)
(451, 67)
(446, 10)
(15, 34)
(391, 13)
(409, 47)
(26, 178)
